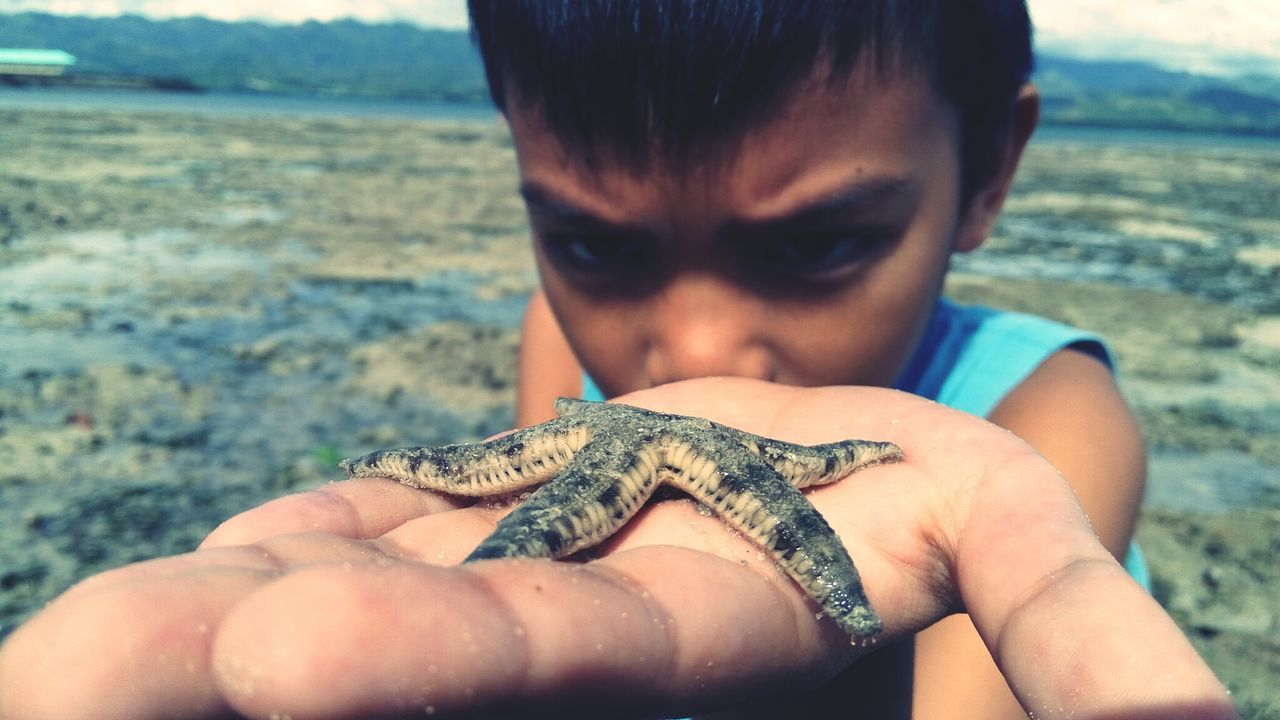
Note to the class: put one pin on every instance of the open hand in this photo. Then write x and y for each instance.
(347, 601)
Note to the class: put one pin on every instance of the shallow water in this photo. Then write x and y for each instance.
(241, 104)
(1168, 212)
(98, 295)
(1216, 482)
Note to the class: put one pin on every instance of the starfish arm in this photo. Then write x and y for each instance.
(597, 493)
(809, 465)
(568, 406)
(506, 464)
(755, 499)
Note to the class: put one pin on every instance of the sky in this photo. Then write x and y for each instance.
(1206, 36)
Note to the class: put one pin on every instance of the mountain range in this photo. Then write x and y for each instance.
(401, 60)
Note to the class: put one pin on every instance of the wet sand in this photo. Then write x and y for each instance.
(198, 313)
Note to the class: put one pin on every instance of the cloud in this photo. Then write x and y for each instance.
(431, 13)
(1214, 36)
(1207, 36)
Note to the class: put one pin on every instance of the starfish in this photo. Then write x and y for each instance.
(599, 462)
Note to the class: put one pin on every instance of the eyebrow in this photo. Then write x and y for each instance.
(861, 194)
(543, 200)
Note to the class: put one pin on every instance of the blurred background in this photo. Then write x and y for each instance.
(238, 243)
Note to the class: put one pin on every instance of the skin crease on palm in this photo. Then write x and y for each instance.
(287, 610)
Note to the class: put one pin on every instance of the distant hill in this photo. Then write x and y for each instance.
(346, 58)
(1133, 94)
(399, 60)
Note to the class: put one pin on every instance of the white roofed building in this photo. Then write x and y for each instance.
(29, 61)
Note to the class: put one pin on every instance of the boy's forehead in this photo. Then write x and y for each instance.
(875, 124)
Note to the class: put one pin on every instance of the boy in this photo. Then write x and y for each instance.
(773, 190)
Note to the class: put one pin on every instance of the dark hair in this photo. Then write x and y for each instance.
(623, 79)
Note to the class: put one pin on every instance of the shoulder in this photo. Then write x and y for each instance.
(973, 357)
(547, 368)
(1068, 384)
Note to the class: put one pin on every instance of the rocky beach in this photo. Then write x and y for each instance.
(202, 311)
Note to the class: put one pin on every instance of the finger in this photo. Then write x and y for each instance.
(1091, 643)
(363, 508)
(176, 567)
(139, 650)
(141, 634)
(445, 538)
(275, 555)
(645, 630)
(1072, 632)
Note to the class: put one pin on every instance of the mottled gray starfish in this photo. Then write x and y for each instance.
(602, 461)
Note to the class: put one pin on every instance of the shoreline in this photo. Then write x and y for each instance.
(179, 99)
(244, 103)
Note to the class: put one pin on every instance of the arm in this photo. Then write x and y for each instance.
(547, 368)
(1071, 411)
(671, 618)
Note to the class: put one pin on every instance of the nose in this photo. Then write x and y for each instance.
(705, 327)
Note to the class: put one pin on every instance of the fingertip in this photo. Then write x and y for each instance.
(1124, 657)
(268, 656)
(94, 654)
(359, 509)
(360, 640)
(301, 512)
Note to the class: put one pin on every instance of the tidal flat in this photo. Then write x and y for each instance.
(201, 312)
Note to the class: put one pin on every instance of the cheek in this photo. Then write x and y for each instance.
(603, 336)
(902, 295)
(864, 337)
(844, 349)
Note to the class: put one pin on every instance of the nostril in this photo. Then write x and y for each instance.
(682, 364)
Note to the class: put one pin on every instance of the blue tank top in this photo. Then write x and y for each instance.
(971, 357)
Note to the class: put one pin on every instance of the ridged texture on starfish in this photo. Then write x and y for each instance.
(599, 462)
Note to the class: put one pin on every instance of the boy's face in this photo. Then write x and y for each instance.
(812, 256)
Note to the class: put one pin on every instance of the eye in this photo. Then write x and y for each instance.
(816, 255)
(604, 264)
(591, 253)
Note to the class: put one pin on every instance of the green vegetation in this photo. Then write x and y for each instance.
(1132, 94)
(327, 455)
(399, 60)
(344, 58)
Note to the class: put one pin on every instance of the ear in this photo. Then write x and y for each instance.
(984, 205)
